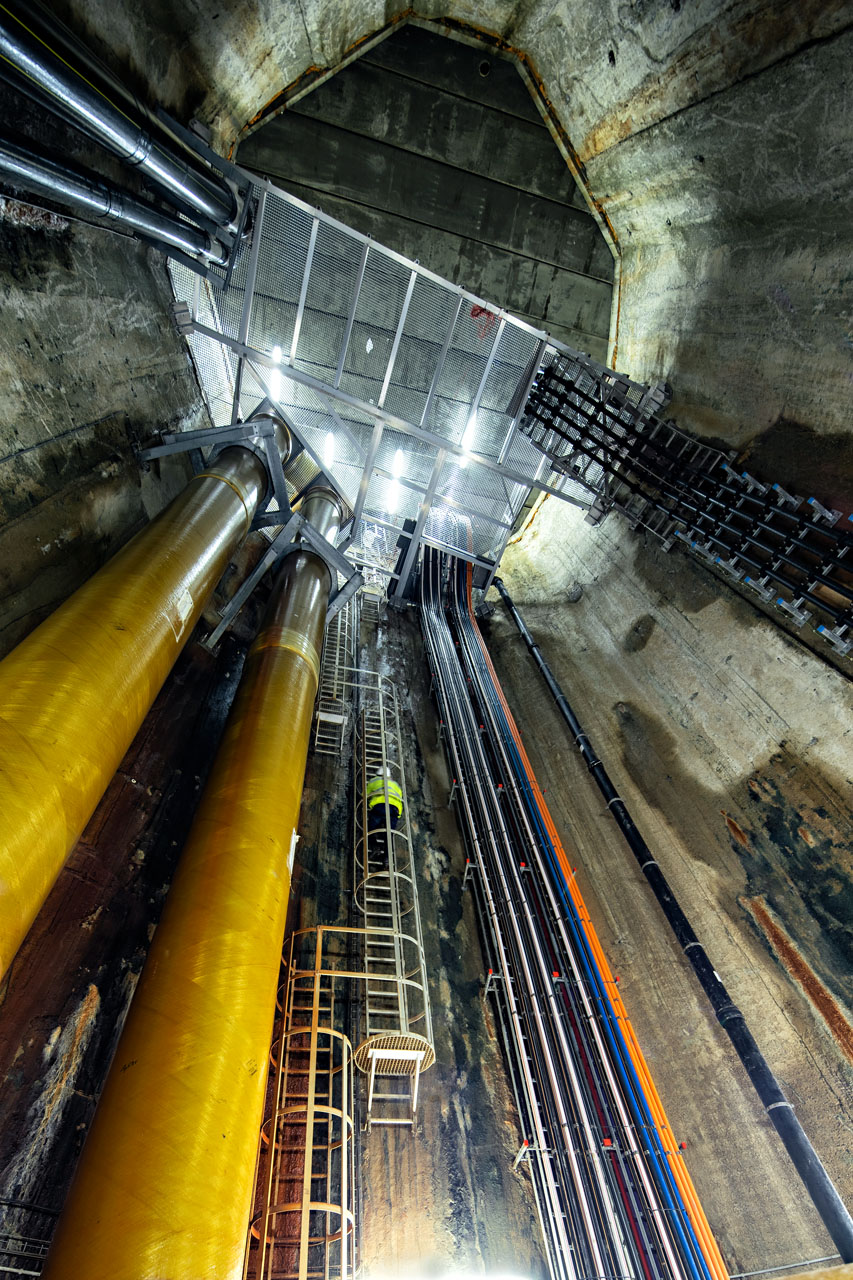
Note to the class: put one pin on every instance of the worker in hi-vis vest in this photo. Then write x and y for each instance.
(384, 802)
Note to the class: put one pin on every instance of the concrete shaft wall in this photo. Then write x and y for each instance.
(715, 140)
(712, 137)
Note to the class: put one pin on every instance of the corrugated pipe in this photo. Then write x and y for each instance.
(75, 97)
(33, 171)
(816, 1180)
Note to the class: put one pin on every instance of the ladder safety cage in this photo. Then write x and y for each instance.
(304, 1220)
(396, 1026)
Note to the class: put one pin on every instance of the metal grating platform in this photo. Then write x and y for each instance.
(405, 388)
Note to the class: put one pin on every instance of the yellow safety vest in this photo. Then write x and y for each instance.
(384, 791)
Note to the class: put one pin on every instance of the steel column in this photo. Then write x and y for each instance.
(164, 1186)
(415, 541)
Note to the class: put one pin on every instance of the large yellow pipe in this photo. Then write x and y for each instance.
(164, 1186)
(75, 691)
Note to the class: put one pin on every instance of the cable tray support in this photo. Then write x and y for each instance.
(791, 552)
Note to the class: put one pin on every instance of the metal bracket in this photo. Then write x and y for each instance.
(338, 564)
(794, 609)
(282, 545)
(839, 637)
(731, 567)
(259, 432)
(760, 587)
(241, 595)
(820, 512)
(782, 496)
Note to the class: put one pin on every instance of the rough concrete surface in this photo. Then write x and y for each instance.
(731, 745)
(89, 366)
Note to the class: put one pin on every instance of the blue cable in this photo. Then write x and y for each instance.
(626, 1070)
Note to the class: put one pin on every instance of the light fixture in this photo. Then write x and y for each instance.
(275, 375)
(467, 440)
(329, 450)
(398, 464)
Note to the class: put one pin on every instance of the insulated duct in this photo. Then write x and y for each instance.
(74, 692)
(164, 1186)
(68, 184)
(32, 55)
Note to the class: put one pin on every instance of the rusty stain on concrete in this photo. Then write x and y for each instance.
(737, 832)
(71, 1044)
(787, 952)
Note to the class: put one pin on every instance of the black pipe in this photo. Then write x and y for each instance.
(817, 1181)
(39, 172)
(32, 57)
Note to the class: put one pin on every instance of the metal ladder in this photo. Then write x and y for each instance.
(397, 1030)
(339, 656)
(303, 1226)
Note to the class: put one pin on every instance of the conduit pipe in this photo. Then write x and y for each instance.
(589, 964)
(75, 97)
(821, 1189)
(74, 692)
(74, 186)
(164, 1186)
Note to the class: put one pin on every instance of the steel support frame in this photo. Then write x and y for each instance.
(251, 432)
(415, 542)
(285, 543)
(359, 280)
(248, 300)
(260, 358)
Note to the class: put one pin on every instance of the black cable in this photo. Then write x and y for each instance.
(817, 1181)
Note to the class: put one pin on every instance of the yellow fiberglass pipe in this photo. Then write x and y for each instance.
(75, 691)
(164, 1186)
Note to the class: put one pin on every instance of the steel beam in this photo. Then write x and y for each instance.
(378, 415)
(395, 347)
(423, 513)
(351, 316)
(364, 483)
(303, 292)
(248, 300)
(442, 359)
